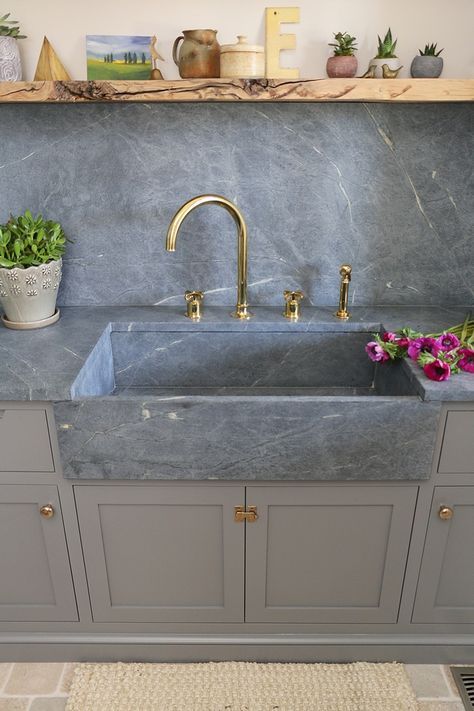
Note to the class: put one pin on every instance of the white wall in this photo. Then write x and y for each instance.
(414, 22)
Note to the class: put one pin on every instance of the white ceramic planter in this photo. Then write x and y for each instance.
(29, 295)
(393, 63)
(10, 62)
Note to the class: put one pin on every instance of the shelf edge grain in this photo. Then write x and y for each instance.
(238, 90)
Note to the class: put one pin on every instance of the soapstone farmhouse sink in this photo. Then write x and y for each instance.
(247, 363)
(245, 404)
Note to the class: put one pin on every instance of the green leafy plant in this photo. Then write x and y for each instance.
(386, 47)
(345, 45)
(10, 28)
(27, 241)
(430, 50)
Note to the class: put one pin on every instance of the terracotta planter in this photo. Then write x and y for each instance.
(426, 67)
(393, 63)
(10, 62)
(341, 66)
(29, 295)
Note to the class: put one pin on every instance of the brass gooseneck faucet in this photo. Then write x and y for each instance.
(241, 309)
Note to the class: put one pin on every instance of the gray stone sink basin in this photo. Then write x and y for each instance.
(248, 363)
(243, 404)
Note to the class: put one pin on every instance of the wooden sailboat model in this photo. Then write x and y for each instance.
(49, 67)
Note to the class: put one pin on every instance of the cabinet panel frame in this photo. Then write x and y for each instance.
(403, 501)
(88, 500)
(426, 610)
(64, 608)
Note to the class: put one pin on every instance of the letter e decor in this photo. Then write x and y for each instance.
(275, 42)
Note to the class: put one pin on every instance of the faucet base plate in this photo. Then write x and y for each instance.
(242, 312)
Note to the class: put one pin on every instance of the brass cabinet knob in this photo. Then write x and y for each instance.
(47, 511)
(445, 513)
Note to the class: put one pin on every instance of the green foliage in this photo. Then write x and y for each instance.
(10, 28)
(430, 50)
(386, 47)
(345, 45)
(27, 241)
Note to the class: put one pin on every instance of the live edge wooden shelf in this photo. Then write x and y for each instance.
(210, 90)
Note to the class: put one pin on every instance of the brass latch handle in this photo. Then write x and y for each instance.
(445, 513)
(345, 271)
(47, 511)
(292, 303)
(193, 300)
(245, 514)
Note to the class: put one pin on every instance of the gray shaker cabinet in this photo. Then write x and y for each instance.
(163, 554)
(328, 554)
(446, 584)
(35, 581)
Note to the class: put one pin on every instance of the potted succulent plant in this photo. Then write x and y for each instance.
(30, 270)
(386, 57)
(428, 64)
(344, 62)
(10, 62)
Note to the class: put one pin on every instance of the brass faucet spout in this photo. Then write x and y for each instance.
(241, 309)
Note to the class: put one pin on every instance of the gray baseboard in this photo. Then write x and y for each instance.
(434, 649)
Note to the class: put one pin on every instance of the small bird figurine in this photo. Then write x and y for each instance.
(390, 73)
(155, 56)
(370, 73)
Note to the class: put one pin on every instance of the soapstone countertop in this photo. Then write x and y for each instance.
(43, 364)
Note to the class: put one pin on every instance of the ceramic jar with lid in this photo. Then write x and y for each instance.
(242, 60)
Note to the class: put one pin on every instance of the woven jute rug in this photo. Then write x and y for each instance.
(241, 686)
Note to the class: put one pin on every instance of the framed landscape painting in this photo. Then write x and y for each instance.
(118, 57)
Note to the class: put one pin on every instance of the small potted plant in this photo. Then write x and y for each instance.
(30, 270)
(386, 56)
(10, 62)
(344, 62)
(428, 64)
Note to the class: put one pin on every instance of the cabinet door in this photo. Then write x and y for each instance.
(446, 584)
(35, 575)
(162, 554)
(327, 554)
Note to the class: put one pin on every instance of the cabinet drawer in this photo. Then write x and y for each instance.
(24, 441)
(457, 453)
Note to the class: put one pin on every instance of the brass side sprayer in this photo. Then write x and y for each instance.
(345, 271)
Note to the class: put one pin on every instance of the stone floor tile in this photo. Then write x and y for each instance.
(441, 706)
(428, 681)
(4, 672)
(14, 704)
(66, 681)
(49, 703)
(451, 682)
(34, 679)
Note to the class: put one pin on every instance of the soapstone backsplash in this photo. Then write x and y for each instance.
(388, 188)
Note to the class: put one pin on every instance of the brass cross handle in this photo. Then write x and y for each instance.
(193, 300)
(292, 305)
